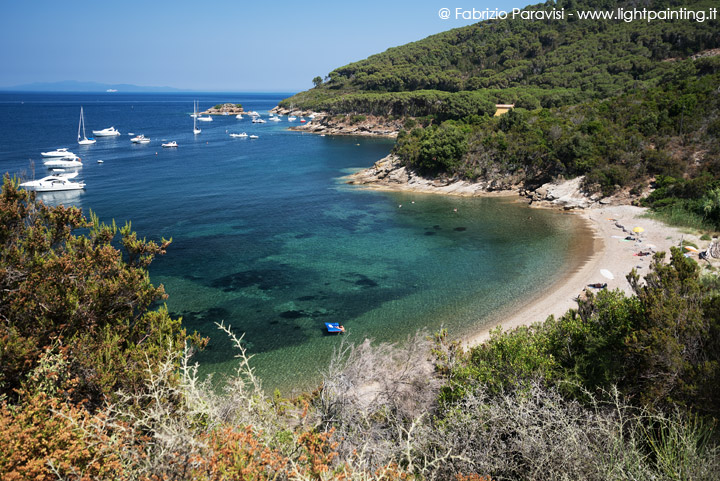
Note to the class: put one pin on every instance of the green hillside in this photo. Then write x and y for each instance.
(626, 104)
(553, 62)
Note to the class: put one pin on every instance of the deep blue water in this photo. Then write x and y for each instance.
(268, 239)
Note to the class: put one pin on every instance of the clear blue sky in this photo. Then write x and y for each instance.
(230, 45)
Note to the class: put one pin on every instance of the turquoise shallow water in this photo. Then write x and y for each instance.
(267, 239)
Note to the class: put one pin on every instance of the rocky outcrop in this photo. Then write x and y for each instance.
(390, 174)
(343, 124)
(567, 194)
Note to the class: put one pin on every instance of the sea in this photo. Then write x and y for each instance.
(269, 240)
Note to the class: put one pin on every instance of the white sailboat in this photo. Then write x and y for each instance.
(196, 130)
(84, 140)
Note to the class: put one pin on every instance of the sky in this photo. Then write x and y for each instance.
(210, 45)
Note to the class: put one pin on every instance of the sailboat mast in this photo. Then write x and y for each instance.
(195, 114)
(82, 119)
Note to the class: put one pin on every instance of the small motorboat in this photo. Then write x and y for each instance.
(239, 116)
(54, 183)
(58, 153)
(109, 132)
(64, 163)
(274, 119)
(254, 136)
(140, 139)
(334, 327)
(172, 143)
(292, 118)
(243, 135)
(205, 119)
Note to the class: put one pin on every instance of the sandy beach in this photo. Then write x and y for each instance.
(610, 251)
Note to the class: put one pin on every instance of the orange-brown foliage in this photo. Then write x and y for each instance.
(240, 455)
(472, 477)
(44, 432)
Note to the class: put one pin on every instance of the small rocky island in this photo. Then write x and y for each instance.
(224, 109)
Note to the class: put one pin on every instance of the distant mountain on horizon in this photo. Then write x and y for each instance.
(77, 86)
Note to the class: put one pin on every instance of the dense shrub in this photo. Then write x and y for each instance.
(78, 297)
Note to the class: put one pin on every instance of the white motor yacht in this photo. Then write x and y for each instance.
(54, 183)
(292, 118)
(205, 119)
(57, 153)
(243, 135)
(109, 132)
(65, 162)
(140, 139)
(172, 143)
(254, 137)
(275, 119)
(239, 116)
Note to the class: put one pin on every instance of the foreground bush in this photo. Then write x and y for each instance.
(78, 297)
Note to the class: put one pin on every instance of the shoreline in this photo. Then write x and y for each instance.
(553, 299)
(608, 222)
(610, 251)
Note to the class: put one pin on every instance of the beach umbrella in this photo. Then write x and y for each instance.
(638, 230)
(607, 274)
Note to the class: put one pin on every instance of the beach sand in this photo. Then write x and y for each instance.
(609, 251)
